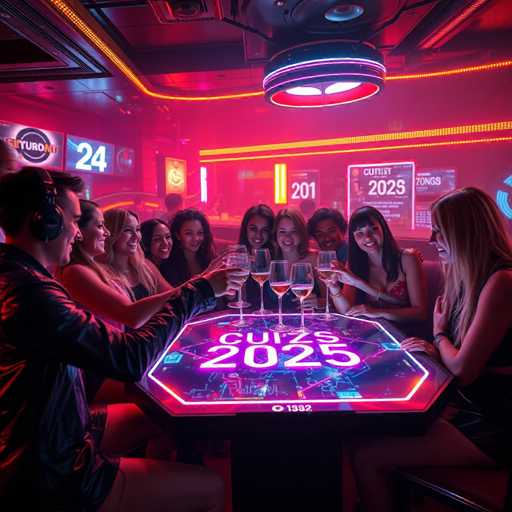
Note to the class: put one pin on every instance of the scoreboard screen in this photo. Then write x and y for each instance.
(89, 155)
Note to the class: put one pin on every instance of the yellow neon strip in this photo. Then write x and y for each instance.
(357, 150)
(378, 137)
(119, 204)
(280, 184)
(70, 14)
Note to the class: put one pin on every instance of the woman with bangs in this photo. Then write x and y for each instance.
(472, 338)
(381, 280)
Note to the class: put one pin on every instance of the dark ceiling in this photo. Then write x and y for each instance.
(208, 47)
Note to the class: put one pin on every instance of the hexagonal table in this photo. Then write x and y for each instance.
(270, 392)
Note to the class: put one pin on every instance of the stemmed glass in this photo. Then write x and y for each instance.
(240, 261)
(302, 285)
(240, 303)
(260, 272)
(326, 273)
(280, 283)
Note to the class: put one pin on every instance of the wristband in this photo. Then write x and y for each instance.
(438, 337)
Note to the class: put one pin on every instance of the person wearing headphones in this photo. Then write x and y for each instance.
(53, 453)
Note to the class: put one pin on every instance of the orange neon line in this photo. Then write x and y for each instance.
(70, 14)
(455, 22)
(357, 150)
(358, 139)
(119, 204)
(151, 205)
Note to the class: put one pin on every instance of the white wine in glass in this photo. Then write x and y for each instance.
(239, 303)
(240, 261)
(260, 272)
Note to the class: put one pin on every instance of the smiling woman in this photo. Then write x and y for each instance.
(381, 280)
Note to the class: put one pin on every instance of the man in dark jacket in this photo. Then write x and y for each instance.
(49, 449)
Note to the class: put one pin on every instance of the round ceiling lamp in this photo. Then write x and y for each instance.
(324, 74)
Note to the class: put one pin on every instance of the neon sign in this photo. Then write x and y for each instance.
(263, 349)
(502, 199)
(212, 364)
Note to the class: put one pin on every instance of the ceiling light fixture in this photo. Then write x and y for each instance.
(343, 12)
(341, 71)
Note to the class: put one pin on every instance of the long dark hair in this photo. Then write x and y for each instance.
(265, 212)
(206, 252)
(146, 231)
(358, 259)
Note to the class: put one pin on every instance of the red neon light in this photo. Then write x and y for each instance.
(432, 41)
(362, 92)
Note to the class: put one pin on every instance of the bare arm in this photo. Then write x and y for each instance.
(491, 322)
(417, 290)
(161, 284)
(87, 288)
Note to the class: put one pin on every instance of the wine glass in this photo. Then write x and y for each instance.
(260, 272)
(280, 283)
(240, 261)
(302, 285)
(240, 303)
(326, 273)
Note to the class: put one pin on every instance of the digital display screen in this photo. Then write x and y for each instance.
(213, 367)
(89, 155)
(389, 187)
(430, 184)
(40, 148)
(302, 185)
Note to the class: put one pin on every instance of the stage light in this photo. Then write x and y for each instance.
(323, 73)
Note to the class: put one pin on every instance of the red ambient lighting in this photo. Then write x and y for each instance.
(323, 74)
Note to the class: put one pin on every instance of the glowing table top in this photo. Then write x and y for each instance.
(347, 364)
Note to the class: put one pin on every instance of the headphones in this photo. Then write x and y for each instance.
(47, 221)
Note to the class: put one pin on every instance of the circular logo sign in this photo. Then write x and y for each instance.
(34, 145)
(503, 200)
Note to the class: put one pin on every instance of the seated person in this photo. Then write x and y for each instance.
(156, 241)
(291, 240)
(381, 281)
(53, 451)
(193, 250)
(328, 227)
(473, 339)
(256, 233)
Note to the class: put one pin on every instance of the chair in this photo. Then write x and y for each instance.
(480, 489)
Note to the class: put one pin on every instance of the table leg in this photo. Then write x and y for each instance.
(299, 475)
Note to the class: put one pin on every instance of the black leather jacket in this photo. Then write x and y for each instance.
(46, 339)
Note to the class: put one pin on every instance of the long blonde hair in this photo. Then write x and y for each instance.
(471, 224)
(115, 220)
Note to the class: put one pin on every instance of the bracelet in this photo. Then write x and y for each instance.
(438, 337)
(338, 293)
